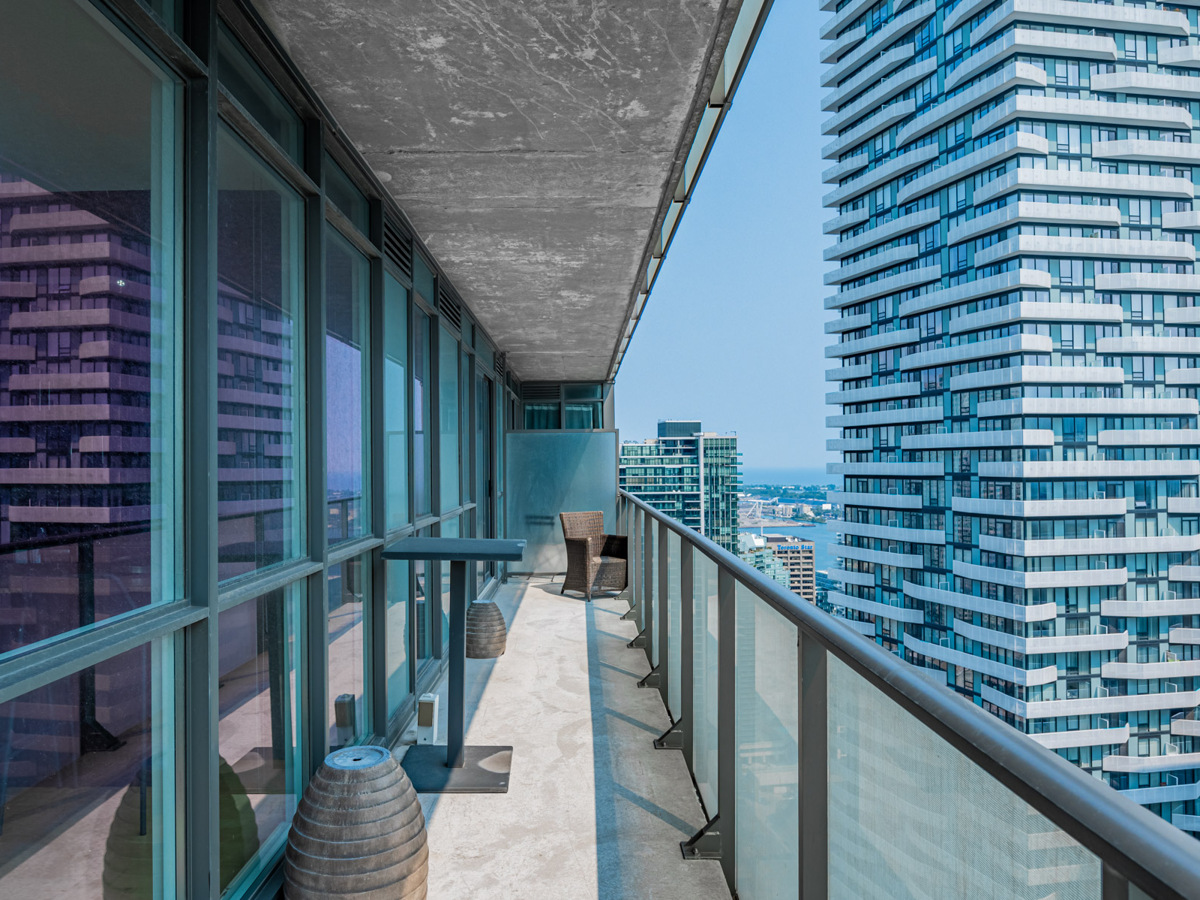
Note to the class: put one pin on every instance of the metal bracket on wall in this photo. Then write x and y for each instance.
(671, 739)
(705, 843)
(652, 680)
(631, 615)
(639, 642)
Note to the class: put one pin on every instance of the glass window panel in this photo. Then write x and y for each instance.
(542, 416)
(448, 407)
(395, 395)
(674, 621)
(422, 397)
(258, 781)
(260, 420)
(483, 468)
(582, 415)
(346, 196)
(705, 637)
(465, 380)
(349, 602)
(767, 736)
(89, 349)
(424, 603)
(450, 529)
(242, 77)
(88, 783)
(941, 827)
(423, 279)
(399, 681)
(347, 282)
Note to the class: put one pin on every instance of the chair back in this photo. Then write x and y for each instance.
(579, 526)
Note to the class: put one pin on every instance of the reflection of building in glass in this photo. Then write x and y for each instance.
(691, 475)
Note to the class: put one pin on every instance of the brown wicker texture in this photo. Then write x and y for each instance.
(358, 832)
(595, 561)
(487, 635)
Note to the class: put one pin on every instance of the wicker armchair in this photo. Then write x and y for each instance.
(595, 561)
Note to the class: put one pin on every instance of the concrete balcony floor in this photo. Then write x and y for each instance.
(593, 810)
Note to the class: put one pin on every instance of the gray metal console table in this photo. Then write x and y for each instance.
(460, 770)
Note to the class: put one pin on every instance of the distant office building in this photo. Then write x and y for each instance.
(691, 475)
(757, 551)
(799, 558)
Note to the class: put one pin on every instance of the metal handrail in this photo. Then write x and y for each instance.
(1140, 846)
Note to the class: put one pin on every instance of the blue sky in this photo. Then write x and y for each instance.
(733, 332)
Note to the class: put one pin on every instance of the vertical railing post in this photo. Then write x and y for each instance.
(662, 631)
(652, 612)
(679, 735)
(627, 529)
(637, 578)
(1113, 885)
(813, 698)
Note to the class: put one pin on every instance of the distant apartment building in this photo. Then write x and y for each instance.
(1016, 359)
(799, 558)
(757, 551)
(689, 474)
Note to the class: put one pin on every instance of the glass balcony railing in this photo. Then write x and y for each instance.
(829, 768)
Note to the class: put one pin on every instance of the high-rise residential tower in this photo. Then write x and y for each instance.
(1016, 365)
(691, 474)
(799, 556)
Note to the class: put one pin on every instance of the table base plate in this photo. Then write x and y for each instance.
(485, 770)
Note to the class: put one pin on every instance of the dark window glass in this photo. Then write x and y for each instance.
(242, 77)
(395, 395)
(258, 778)
(87, 784)
(259, 414)
(422, 396)
(345, 195)
(399, 682)
(349, 599)
(89, 358)
(448, 419)
(347, 281)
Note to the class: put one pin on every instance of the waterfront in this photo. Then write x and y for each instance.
(821, 534)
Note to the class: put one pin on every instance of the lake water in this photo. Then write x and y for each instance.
(821, 535)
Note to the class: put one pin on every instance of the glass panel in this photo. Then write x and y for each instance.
(483, 467)
(87, 783)
(465, 381)
(349, 601)
(674, 619)
(89, 358)
(347, 281)
(259, 766)
(422, 397)
(767, 735)
(582, 416)
(448, 407)
(450, 529)
(542, 416)
(705, 632)
(423, 279)
(911, 816)
(241, 76)
(424, 608)
(345, 195)
(260, 420)
(399, 680)
(395, 395)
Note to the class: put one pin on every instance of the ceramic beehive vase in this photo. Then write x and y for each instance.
(487, 635)
(358, 832)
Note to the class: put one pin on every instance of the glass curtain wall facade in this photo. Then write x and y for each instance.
(225, 384)
(1016, 304)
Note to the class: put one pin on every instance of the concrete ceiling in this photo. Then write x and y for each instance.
(531, 142)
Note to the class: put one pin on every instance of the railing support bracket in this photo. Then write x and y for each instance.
(639, 642)
(705, 843)
(652, 680)
(630, 615)
(671, 739)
